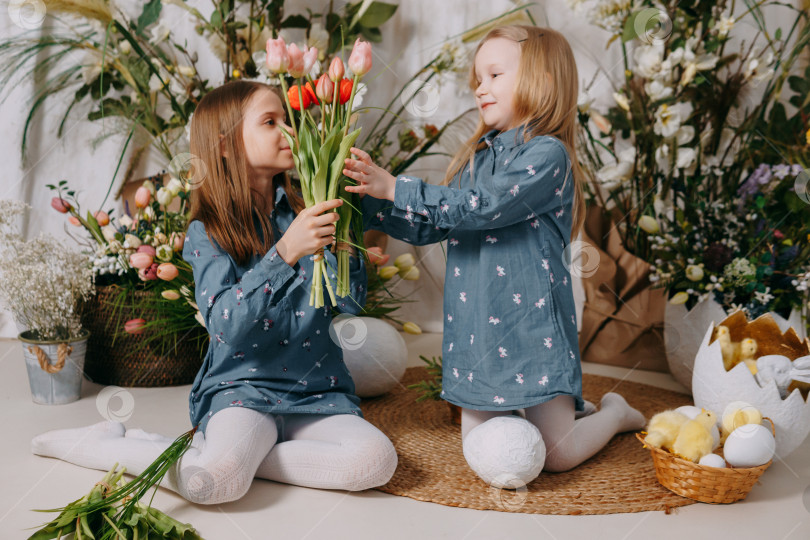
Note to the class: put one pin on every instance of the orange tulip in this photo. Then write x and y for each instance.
(310, 92)
(345, 90)
(142, 197)
(141, 260)
(292, 95)
(167, 271)
(102, 218)
(74, 221)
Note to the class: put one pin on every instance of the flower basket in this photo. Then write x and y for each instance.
(54, 368)
(623, 317)
(122, 359)
(715, 485)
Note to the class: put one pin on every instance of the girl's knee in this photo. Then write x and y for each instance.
(374, 459)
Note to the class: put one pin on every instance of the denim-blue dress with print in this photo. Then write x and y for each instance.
(510, 333)
(270, 350)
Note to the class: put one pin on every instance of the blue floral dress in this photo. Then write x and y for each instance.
(510, 335)
(270, 350)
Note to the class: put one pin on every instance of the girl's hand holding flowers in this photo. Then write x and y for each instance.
(373, 179)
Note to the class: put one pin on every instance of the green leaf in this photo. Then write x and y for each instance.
(216, 19)
(295, 21)
(377, 13)
(778, 34)
(150, 14)
(372, 34)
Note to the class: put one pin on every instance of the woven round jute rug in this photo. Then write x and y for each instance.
(618, 479)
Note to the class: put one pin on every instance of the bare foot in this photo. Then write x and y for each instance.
(630, 419)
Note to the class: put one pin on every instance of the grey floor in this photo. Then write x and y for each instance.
(777, 508)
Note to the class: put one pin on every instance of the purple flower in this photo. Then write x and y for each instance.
(781, 171)
(760, 176)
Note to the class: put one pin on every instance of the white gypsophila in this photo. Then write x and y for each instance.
(41, 283)
(608, 14)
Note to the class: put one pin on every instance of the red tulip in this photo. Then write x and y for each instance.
(60, 205)
(134, 326)
(167, 271)
(292, 95)
(345, 90)
(310, 92)
(336, 70)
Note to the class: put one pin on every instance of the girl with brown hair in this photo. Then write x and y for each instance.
(273, 398)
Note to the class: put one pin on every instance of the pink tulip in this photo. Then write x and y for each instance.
(60, 205)
(142, 197)
(375, 255)
(75, 221)
(336, 69)
(310, 57)
(134, 326)
(360, 59)
(325, 89)
(167, 271)
(149, 273)
(177, 240)
(296, 67)
(141, 260)
(277, 57)
(102, 218)
(146, 248)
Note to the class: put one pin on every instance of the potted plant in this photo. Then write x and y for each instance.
(43, 284)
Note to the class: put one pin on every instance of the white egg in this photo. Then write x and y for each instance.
(731, 420)
(712, 460)
(690, 411)
(750, 445)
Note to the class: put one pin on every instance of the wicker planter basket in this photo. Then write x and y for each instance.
(701, 483)
(110, 359)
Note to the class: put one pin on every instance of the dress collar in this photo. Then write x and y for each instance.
(507, 139)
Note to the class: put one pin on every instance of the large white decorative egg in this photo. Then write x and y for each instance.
(714, 388)
(373, 351)
(750, 445)
(505, 452)
(690, 411)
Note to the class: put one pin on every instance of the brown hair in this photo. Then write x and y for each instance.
(545, 101)
(222, 197)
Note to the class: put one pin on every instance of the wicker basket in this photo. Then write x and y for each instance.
(714, 485)
(114, 359)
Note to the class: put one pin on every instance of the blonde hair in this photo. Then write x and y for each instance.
(545, 102)
(223, 198)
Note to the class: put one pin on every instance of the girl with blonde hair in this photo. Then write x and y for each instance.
(510, 335)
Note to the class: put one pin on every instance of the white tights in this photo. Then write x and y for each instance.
(569, 440)
(341, 451)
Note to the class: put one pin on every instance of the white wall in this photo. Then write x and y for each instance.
(411, 38)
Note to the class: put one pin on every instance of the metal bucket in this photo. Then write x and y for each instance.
(54, 382)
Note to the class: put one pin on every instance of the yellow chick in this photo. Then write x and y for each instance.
(663, 429)
(695, 440)
(752, 365)
(743, 350)
(726, 348)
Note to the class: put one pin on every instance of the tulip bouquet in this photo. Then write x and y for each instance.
(320, 142)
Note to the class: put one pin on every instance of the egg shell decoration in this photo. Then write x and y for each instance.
(712, 460)
(714, 388)
(683, 328)
(373, 351)
(505, 452)
(750, 445)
